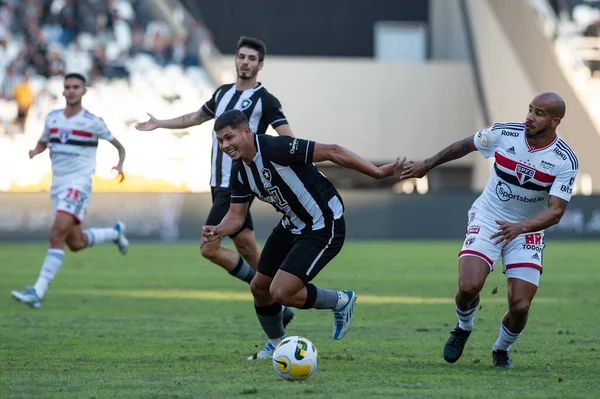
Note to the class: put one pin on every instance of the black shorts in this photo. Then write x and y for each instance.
(221, 198)
(303, 255)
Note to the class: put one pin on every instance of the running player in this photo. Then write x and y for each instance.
(527, 192)
(72, 136)
(280, 171)
(261, 109)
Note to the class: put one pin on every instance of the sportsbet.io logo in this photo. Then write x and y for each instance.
(504, 193)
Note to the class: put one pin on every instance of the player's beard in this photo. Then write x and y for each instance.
(538, 133)
(247, 75)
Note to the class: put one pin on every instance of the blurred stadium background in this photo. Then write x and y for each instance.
(384, 78)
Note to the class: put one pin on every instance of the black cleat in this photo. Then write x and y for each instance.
(288, 316)
(456, 344)
(501, 359)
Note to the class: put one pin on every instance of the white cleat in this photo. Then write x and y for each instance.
(122, 242)
(342, 318)
(28, 297)
(264, 353)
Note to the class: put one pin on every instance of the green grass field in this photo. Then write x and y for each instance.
(164, 323)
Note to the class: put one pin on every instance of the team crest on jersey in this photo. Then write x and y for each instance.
(246, 104)
(63, 135)
(524, 174)
(266, 174)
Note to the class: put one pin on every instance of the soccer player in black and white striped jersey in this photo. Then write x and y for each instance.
(280, 171)
(262, 109)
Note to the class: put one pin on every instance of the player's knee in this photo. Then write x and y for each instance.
(209, 250)
(519, 307)
(76, 245)
(258, 289)
(469, 288)
(281, 294)
(57, 237)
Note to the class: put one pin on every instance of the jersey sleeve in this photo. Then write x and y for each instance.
(273, 112)
(288, 151)
(563, 183)
(102, 131)
(240, 191)
(210, 107)
(45, 137)
(486, 141)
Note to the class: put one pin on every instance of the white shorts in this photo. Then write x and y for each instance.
(522, 257)
(72, 201)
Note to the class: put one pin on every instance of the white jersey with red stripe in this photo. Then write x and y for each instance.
(523, 177)
(73, 142)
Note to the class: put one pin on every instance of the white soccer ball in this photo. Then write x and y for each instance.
(295, 358)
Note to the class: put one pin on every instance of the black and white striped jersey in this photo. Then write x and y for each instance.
(282, 174)
(260, 107)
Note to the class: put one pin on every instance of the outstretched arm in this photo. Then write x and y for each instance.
(454, 151)
(346, 158)
(180, 122)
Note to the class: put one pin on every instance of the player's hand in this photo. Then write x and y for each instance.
(390, 168)
(209, 234)
(32, 153)
(508, 232)
(414, 169)
(119, 170)
(150, 124)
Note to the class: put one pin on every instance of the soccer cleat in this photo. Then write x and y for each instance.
(122, 242)
(264, 353)
(501, 359)
(288, 316)
(456, 344)
(342, 318)
(29, 297)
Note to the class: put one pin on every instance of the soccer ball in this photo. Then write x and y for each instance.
(295, 358)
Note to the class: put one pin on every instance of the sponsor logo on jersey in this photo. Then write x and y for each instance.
(511, 150)
(504, 193)
(474, 230)
(547, 165)
(524, 173)
(535, 256)
(560, 153)
(509, 133)
(294, 146)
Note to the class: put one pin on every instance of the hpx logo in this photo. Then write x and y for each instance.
(524, 174)
(509, 134)
(560, 153)
(504, 193)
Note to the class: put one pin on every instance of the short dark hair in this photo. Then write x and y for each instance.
(254, 44)
(75, 75)
(233, 118)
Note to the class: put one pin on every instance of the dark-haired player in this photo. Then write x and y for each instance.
(72, 136)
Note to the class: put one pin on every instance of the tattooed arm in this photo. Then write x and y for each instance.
(454, 151)
(180, 122)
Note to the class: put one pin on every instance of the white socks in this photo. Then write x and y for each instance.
(505, 339)
(52, 262)
(100, 235)
(466, 318)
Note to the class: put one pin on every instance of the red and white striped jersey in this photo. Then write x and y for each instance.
(73, 143)
(523, 177)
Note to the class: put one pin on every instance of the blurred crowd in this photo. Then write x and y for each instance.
(97, 38)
